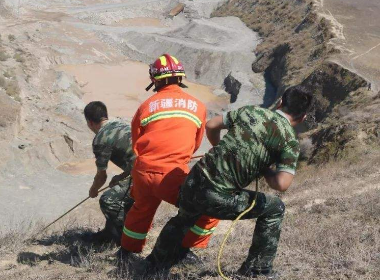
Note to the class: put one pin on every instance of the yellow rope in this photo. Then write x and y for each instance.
(220, 253)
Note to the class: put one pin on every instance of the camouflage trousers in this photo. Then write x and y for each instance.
(197, 197)
(115, 203)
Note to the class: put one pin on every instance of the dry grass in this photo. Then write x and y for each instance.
(11, 37)
(13, 90)
(19, 58)
(331, 231)
(332, 228)
(3, 82)
(351, 131)
(10, 85)
(3, 55)
(9, 73)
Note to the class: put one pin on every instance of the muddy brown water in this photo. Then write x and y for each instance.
(122, 88)
(155, 22)
(85, 167)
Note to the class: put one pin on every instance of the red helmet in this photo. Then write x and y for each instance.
(165, 66)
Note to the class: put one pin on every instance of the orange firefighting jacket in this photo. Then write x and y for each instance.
(167, 129)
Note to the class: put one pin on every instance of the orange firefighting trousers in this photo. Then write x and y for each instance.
(149, 189)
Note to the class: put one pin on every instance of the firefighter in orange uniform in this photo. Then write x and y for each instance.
(166, 131)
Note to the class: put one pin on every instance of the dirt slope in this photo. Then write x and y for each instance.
(331, 231)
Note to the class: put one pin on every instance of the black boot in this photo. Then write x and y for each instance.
(188, 257)
(256, 272)
(148, 267)
(98, 238)
(123, 255)
(126, 260)
(124, 263)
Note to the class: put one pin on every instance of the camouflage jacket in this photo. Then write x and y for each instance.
(256, 139)
(113, 143)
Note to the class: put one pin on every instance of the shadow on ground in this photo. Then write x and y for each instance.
(69, 248)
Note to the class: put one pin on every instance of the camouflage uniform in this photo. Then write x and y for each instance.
(256, 139)
(113, 143)
(115, 203)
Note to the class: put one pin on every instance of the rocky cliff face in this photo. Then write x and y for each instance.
(351, 130)
(296, 49)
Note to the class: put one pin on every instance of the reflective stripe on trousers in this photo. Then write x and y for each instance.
(133, 234)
